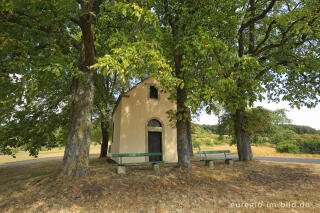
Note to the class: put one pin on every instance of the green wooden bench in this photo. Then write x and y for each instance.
(204, 157)
(122, 155)
(121, 165)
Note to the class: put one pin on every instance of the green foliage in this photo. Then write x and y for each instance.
(200, 131)
(309, 143)
(212, 128)
(310, 146)
(196, 143)
(96, 135)
(281, 134)
(37, 64)
(287, 147)
(262, 125)
(203, 136)
(202, 142)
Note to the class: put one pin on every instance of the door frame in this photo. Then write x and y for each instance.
(154, 129)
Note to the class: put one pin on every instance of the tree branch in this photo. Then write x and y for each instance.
(251, 22)
(260, 16)
(265, 37)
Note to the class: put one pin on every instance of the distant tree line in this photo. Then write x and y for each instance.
(299, 129)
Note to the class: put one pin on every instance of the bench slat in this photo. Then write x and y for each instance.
(137, 154)
(214, 152)
(213, 159)
(139, 163)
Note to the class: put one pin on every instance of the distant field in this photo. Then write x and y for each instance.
(23, 156)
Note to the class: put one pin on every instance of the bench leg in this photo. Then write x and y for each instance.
(210, 164)
(229, 161)
(156, 168)
(121, 170)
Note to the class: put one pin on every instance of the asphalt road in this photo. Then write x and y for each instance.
(292, 160)
(276, 159)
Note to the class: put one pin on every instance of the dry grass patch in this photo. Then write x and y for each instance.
(55, 152)
(37, 188)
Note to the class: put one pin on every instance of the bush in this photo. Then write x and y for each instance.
(201, 142)
(196, 143)
(288, 146)
(208, 142)
(310, 146)
(220, 140)
(281, 135)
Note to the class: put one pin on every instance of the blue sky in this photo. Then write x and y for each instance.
(303, 116)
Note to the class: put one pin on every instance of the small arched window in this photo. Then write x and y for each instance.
(154, 123)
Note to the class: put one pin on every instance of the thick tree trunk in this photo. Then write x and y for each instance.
(242, 136)
(76, 155)
(182, 130)
(182, 122)
(190, 138)
(105, 138)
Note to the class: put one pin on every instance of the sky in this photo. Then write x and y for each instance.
(302, 116)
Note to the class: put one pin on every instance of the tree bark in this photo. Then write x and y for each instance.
(190, 138)
(182, 123)
(182, 131)
(76, 155)
(105, 138)
(242, 136)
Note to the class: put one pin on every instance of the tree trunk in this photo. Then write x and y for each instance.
(76, 155)
(190, 138)
(182, 130)
(105, 138)
(242, 136)
(182, 122)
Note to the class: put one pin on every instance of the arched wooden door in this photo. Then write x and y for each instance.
(154, 140)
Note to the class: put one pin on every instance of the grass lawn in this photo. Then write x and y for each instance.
(240, 187)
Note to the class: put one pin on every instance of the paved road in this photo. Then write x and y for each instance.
(276, 159)
(292, 160)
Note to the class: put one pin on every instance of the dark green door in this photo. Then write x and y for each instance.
(154, 145)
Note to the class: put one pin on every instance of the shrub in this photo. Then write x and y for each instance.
(201, 142)
(310, 146)
(281, 135)
(208, 142)
(220, 140)
(196, 143)
(288, 146)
